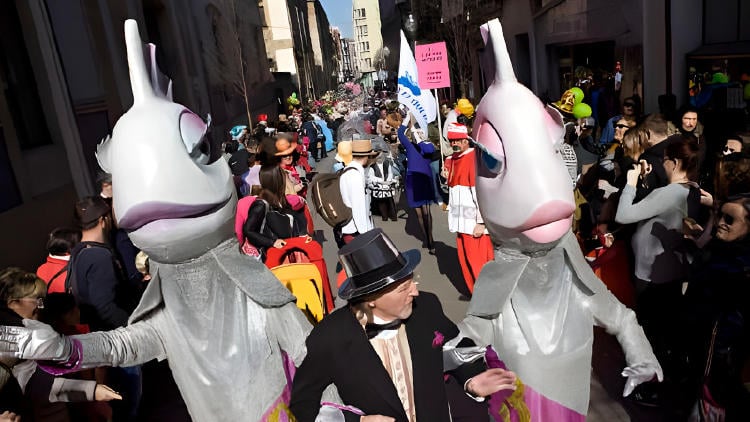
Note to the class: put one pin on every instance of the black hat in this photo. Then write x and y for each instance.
(372, 262)
(90, 209)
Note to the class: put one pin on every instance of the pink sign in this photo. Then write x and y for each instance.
(432, 65)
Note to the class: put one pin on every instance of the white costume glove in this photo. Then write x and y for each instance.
(35, 340)
(640, 373)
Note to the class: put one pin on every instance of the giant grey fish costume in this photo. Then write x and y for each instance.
(537, 301)
(224, 322)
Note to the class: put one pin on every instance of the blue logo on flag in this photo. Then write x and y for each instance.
(408, 82)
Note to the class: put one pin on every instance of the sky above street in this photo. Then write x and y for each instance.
(339, 14)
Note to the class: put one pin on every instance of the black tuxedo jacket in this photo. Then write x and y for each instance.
(338, 352)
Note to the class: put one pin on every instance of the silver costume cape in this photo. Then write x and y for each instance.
(223, 321)
(538, 312)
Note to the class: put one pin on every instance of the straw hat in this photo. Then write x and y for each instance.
(344, 152)
(363, 148)
(284, 147)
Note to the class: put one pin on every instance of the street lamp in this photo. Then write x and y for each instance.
(410, 27)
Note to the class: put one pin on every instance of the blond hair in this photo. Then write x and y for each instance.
(635, 141)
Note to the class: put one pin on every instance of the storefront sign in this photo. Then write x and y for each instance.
(432, 66)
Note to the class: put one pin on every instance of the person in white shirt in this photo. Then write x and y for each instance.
(353, 193)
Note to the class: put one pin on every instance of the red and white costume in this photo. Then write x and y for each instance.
(464, 215)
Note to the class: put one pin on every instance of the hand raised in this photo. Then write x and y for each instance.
(640, 373)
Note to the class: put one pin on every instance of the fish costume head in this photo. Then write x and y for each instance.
(172, 200)
(517, 135)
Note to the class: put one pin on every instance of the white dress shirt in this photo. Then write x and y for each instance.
(352, 185)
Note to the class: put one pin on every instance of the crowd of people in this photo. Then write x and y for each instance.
(679, 199)
(659, 185)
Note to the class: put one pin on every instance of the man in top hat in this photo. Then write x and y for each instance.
(472, 239)
(385, 352)
(353, 193)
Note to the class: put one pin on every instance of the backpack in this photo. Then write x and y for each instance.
(306, 284)
(326, 198)
(319, 135)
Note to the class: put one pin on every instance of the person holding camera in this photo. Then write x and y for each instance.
(660, 257)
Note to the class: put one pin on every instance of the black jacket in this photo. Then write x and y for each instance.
(338, 352)
(658, 176)
(280, 223)
(99, 286)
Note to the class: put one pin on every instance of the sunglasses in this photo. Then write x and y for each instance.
(621, 126)
(728, 218)
(628, 105)
(586, 127)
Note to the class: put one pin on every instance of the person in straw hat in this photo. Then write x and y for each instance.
(353, 193)
(387, 351)
(286, 153)
(343, 155)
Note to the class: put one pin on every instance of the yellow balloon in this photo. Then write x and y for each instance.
(465, 107)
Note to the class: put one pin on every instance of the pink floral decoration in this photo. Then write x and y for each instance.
(438, 340)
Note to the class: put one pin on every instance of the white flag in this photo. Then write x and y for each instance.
(420, 102)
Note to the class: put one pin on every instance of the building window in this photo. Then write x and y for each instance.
(359, 13)
(368, 62)
(364, 30)
(364, 46)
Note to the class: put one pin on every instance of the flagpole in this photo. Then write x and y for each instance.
(440, 127)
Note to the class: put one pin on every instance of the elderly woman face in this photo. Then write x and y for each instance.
(732, 225)
(621, 127)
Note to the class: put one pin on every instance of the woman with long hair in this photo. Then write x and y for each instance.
(271, 218)
(717, 311)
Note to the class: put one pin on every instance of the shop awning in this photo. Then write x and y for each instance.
(739, 49)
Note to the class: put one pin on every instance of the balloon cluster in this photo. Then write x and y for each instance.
(571, 102)
(292, 101)
(580, 109)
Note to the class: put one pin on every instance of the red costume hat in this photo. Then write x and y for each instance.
(457, 131)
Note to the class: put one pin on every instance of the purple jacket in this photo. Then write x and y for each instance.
(418, 155)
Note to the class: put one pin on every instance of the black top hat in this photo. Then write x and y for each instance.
(372, 262)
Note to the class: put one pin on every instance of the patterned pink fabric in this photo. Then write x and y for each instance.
(538, 407)
(279, 411)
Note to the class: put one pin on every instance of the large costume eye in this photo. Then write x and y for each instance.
(193, 131)
(490, 162)
(490, 149)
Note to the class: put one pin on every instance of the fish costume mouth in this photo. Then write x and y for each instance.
(143, 214)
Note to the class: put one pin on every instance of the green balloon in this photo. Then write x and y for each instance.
(581, 110)
(578, 94)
